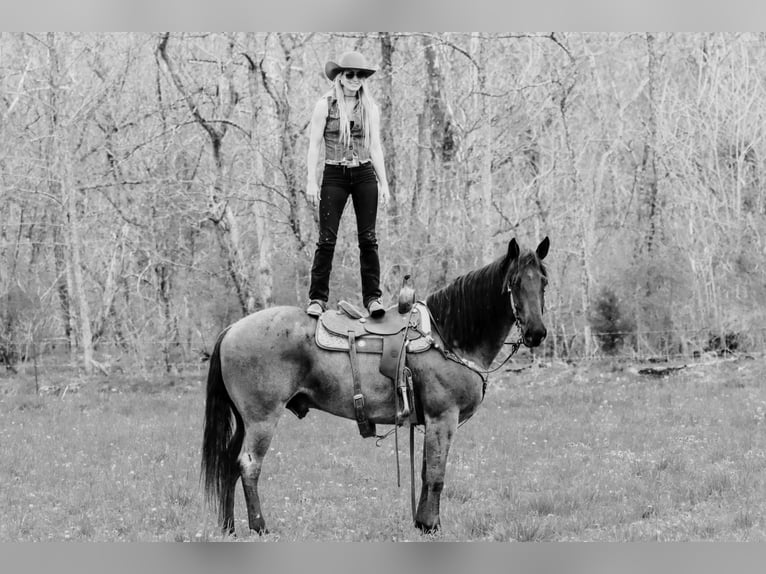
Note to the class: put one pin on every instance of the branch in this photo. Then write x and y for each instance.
(455, 47)
(162, 50)
(553, 37)
(18, 92)
(269, 86)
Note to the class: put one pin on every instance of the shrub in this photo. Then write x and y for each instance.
(610, 325)
(723, 345)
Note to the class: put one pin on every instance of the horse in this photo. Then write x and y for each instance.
(268, 361)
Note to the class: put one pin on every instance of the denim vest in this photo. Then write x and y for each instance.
(335, 150)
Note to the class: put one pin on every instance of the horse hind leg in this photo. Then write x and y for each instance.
(226, 506)
(229, 474)
(258, 437)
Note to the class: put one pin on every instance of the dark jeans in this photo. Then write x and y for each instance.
(338, 183)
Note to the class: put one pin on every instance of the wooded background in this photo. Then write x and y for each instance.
(152, 185)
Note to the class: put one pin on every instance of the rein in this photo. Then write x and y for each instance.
(483, 373)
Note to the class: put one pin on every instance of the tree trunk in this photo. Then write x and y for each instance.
(421, 174)
(169, 321)
(261, 195)
(387, 120)
(578, 195)
(442, 145)
(483, 110)
(278, 90)
(110, 287)
(649, 165)
(443, 136)
(63, 276)
(63, 163)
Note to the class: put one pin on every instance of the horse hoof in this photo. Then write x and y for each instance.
(228, 529)
(425, 529)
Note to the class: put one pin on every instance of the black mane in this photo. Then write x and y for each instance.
(475, 308)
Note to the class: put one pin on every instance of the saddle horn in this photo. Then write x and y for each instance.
(406, 295)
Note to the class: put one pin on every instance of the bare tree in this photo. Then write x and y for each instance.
(65, 138)
(278, 86)
(220, 212)
(388, 138)
(261, 203)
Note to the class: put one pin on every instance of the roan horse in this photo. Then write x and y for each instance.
(268, 361)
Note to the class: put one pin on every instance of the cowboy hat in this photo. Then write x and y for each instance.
(348, 61)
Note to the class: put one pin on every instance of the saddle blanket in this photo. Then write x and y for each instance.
(368, 331)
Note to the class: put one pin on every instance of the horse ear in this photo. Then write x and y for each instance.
(513, 250)
(542, 249)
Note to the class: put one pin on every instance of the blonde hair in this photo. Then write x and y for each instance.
(367, 104)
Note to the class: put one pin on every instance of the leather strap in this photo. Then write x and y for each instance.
(412, 471)
(390, 359)
(366, 429)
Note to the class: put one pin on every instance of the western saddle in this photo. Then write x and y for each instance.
(405, 328)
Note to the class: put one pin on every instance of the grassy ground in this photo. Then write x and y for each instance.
(556, 453)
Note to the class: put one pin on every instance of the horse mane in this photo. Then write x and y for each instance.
(472, 307)
(475, 307)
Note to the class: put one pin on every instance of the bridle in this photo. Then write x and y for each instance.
(484, 373)
(515, 345)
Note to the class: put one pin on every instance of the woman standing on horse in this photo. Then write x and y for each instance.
(348, 121)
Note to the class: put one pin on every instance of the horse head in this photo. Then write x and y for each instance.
(525, 283)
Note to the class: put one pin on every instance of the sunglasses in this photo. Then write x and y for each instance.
(351, 74)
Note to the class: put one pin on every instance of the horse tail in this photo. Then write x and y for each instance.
(222, 439)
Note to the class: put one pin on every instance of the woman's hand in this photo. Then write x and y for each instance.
(383, 194)
(312, 193)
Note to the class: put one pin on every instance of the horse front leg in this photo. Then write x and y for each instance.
(439, 433)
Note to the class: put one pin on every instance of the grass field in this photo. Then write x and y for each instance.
(556, 453)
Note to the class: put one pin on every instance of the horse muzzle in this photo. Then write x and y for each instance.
(534, 336)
